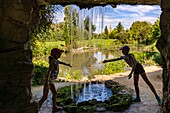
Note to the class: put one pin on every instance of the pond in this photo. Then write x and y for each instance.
(86, 61)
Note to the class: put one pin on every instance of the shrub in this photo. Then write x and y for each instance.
(111, 68)
(40, 69)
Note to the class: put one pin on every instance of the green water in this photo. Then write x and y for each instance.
(86, 61)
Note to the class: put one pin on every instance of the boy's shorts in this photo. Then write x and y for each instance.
(139, 69)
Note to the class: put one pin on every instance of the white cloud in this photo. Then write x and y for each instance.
(58, 17)
(139, 9)
(127, 14)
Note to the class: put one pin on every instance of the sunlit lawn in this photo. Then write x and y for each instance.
(55, 44)
(109, 44)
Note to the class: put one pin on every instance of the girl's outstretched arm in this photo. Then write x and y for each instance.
(112, 60)
(65, 64)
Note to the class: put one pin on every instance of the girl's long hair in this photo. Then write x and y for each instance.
(50, 58)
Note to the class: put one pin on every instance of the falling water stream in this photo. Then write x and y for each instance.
(94, 91)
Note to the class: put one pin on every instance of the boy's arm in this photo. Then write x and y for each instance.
(63, 63)
(112, 60)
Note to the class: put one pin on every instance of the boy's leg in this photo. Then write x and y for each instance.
(145, 78)
(44, 97)
(136, 80)
(151, 87)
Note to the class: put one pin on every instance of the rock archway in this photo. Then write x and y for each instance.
(18, 17)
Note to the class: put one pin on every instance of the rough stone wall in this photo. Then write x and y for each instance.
(17, 18)
(163, 46)
(91, 3)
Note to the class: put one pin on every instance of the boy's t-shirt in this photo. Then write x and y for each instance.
(129, 58)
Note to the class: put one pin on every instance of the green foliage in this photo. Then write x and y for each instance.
(40, 69)
(157, 58)
(76, 75)
(38, 48)
(113, 34)
(148, 58)
(87, 23)
(119, 27)
(111, 68)
(156, 33)
(141, 31)
(123, 37)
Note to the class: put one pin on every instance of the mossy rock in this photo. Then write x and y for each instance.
(59, 101)
(68, 101)
(124, 97)
(120, 102)
(64, 92)
(72, 109)
(85, 109)
(90, 102)
(113, 100)
(101, 107)
(121, 106)
(109, 83)
(84, 103)
(93, 102)
(66, 107)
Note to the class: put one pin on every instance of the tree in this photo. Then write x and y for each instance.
(124, 37)
(66, 36)
(106, 31)
(47, 16)
(71, 16)
(141, 31)
(113, 34)
(86, 24)
(42, 31)
(156, 30)
(119, 27)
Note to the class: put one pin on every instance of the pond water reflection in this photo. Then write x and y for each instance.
(86, 61)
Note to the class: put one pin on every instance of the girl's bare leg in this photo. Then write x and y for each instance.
(44, 97)
(149, 84)
(54, 92)
(136, 80)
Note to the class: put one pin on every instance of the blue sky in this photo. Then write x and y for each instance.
(126, 14)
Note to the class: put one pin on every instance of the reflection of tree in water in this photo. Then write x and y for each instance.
(87, 61)
(106, 53)
(80, 60)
